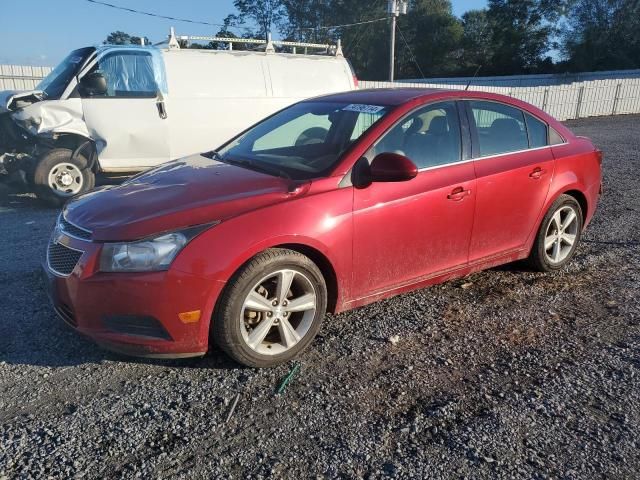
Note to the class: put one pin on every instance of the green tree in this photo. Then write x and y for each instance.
(302, 17)
(265, 14)
(122, 38)
(433, 34)
(476, 41)
(602, 35)
(521, 33)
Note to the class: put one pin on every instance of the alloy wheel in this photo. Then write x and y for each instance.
(561, 234)
(278, 312)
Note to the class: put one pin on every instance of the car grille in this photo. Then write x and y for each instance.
(61, 259)
(73, 230)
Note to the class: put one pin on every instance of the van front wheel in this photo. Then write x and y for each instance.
(58, 177)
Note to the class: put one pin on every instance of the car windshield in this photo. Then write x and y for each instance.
(54, 84)
(303, 141)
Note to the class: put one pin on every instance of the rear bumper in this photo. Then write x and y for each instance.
(134, 313)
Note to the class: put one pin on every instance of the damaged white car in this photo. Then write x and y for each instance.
(128, 108)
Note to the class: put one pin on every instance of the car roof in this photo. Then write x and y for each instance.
(381, 96)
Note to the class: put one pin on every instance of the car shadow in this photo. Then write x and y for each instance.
(520, 266)
(55, 345)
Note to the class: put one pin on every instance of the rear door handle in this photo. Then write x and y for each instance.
(537, 173)
(458, 194)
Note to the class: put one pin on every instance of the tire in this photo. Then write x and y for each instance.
(237, 328)
(57, 163)
(552, 249)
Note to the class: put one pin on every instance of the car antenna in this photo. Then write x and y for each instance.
(472, 78)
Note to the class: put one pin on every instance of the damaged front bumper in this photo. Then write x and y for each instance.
(18, 148)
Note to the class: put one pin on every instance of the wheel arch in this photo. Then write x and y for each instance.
(325, 266)
(79, 145)
(314, 254)
(574, 190)
(581, 198)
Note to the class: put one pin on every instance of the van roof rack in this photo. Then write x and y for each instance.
(269, 44)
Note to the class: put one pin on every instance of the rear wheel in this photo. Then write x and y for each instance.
(58, 177)
(271, 310)
(558, 235)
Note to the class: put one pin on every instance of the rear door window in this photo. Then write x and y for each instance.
(500, 128)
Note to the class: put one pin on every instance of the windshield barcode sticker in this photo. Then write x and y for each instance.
(359, 107)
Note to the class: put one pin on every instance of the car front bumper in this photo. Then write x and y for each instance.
(133, 313)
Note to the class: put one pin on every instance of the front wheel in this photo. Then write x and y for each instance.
(58, 177)
(271, 309)
(558, 236)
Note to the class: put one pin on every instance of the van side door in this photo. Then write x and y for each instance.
(129, 121)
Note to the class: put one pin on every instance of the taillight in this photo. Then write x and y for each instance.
(355, 81)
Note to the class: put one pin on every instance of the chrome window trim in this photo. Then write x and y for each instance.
(345, 180)
(55, 272)
(525, 112)
(487, 157)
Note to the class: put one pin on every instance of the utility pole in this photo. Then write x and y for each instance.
(395, 8)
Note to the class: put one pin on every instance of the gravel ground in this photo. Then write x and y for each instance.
(504, 374)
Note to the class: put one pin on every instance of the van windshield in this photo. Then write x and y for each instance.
(303, 141)
(54, 84)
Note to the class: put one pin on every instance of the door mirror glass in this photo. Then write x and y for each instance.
(93, 85)
(392, 167)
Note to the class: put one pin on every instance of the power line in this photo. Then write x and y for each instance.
(331, 27)
(413, 57)
(166, 17)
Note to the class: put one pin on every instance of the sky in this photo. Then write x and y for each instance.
(43, 32)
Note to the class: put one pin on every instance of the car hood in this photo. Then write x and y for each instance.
(8, 96)
(5, 99)
(191, 191)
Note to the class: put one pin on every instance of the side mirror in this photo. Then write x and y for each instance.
(92, 85)
(392, 167)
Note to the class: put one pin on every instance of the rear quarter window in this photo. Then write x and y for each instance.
(538, 135)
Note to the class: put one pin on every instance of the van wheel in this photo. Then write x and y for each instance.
(57, 177)
(271, 309)
(558, 236)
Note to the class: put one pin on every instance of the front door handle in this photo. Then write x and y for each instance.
(458, 194)
(537, 173)
(162, 111)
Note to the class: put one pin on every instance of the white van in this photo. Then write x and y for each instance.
(128, 108)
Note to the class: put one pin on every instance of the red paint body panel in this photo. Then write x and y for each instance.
(509, 200)
(411, 230)
(375, 242)
(191, 191)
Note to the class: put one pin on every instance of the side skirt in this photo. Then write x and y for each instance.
(439, 277)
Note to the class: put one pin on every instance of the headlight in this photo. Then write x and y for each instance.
(148, 255)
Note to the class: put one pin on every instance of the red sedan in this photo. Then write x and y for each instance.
(330, 204)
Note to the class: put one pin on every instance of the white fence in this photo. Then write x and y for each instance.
(539, 80)
(16, 77)
(601, 95)
(574, 100)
